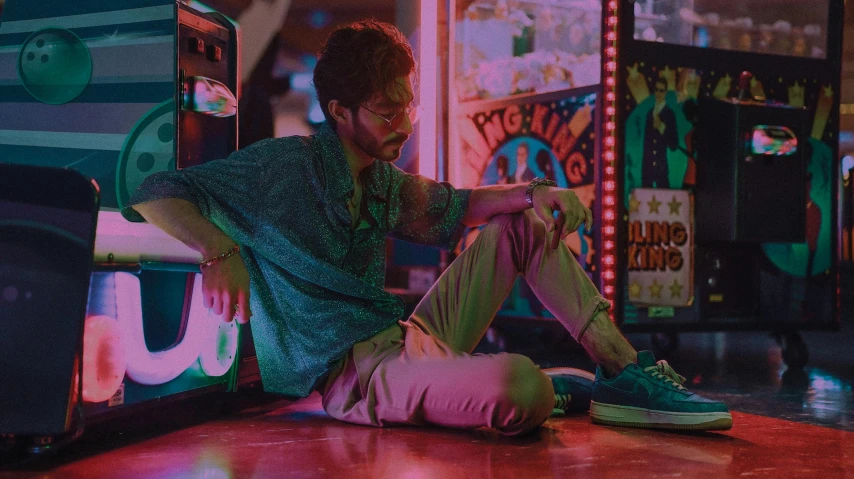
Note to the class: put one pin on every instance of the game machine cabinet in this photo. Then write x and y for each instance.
(117, 92)
(606, 97)
(720, 146)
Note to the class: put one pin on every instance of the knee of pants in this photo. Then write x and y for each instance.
(525, 223)
(524, 389)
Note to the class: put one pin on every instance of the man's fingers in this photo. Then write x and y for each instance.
(243, 307)
(216, 305)
(588, 219)
(558, 230)
(229, 307)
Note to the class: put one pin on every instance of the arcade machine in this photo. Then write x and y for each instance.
(117, 92)
(702, 133)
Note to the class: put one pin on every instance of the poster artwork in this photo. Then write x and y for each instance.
(515, 143)
(660, 245)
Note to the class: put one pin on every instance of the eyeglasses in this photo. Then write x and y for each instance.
(412, 111)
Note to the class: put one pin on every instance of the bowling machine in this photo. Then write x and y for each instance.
(113, 92)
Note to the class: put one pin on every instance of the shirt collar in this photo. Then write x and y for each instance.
(338, 179)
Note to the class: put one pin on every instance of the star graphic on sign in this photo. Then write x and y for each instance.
(635, 290)
(655, 289)
(674, 206)
(675, 289)
(653, 205)
(634, 204)
(828, 92)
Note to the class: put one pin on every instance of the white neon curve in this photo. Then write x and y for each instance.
(144, 366)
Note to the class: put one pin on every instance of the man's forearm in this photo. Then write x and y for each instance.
(488, 201)
(183, 221)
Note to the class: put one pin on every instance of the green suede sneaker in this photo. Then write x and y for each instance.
(650, 394)
(572, 390)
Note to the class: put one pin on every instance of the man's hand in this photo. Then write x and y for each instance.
(225, 287)
(570, 212)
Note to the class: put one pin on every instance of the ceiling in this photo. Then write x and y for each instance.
(298, 33)
(233, 8)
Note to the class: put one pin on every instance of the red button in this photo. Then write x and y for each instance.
(214, 53)
(197, 45)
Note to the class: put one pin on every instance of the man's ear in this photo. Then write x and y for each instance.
(340, 113)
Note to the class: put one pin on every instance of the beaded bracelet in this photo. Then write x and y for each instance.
(217, 259)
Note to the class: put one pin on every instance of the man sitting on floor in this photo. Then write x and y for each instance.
(294, 230)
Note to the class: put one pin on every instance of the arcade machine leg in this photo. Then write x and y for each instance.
(795, 352)
(664, 344)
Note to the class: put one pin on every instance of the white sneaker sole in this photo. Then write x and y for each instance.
(570, 372)
(614, 415)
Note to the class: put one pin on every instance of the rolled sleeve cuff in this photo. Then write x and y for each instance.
(167, 184)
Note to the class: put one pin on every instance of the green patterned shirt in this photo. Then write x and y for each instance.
(316, 282)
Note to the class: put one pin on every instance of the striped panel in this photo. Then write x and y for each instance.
(131, 33)
(116, 118)
(29, 16)
(64, 139)
(155, 59)
(101, 93)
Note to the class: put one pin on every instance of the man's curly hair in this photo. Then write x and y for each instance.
(360, 60)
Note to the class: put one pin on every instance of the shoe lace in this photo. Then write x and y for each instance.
(662, 370)
(562, 401)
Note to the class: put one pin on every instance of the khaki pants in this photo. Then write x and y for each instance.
(421, 371)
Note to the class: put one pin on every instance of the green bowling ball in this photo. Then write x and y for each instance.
(54, 65)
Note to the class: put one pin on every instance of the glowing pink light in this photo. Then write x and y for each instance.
(609, 290)
(429, 90)
(104, 359)
(612, 5)
(608, 274)
(609, 214)
(609, 186)
(609, 156)
(610, 81)
(609, 201)
(611, 36)
(609, 141)
(611, 66)
(612, 21)
(610, 126)
(608, 259)
(610, 96)
(609, 230)
(609, 245)
(610, 111)
(611, 51)
(609, 170)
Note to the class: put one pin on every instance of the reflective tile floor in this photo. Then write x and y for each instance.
(787, 423)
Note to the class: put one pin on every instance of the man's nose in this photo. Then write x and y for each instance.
(405, 128)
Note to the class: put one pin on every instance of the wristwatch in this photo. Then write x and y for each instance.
(529, 191)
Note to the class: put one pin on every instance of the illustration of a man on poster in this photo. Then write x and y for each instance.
(523, 173)
(659, 136)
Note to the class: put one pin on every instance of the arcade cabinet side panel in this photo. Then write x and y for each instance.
(85, 85)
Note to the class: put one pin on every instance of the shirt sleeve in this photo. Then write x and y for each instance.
(424, 211)
(225, 190)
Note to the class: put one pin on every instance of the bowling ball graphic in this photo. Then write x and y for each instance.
(148, 149)
(54, 66)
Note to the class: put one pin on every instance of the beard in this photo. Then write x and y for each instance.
(383, 150)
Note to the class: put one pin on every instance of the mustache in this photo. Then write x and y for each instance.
(400, 140)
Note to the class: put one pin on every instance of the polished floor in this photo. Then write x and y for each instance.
(787, 423)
